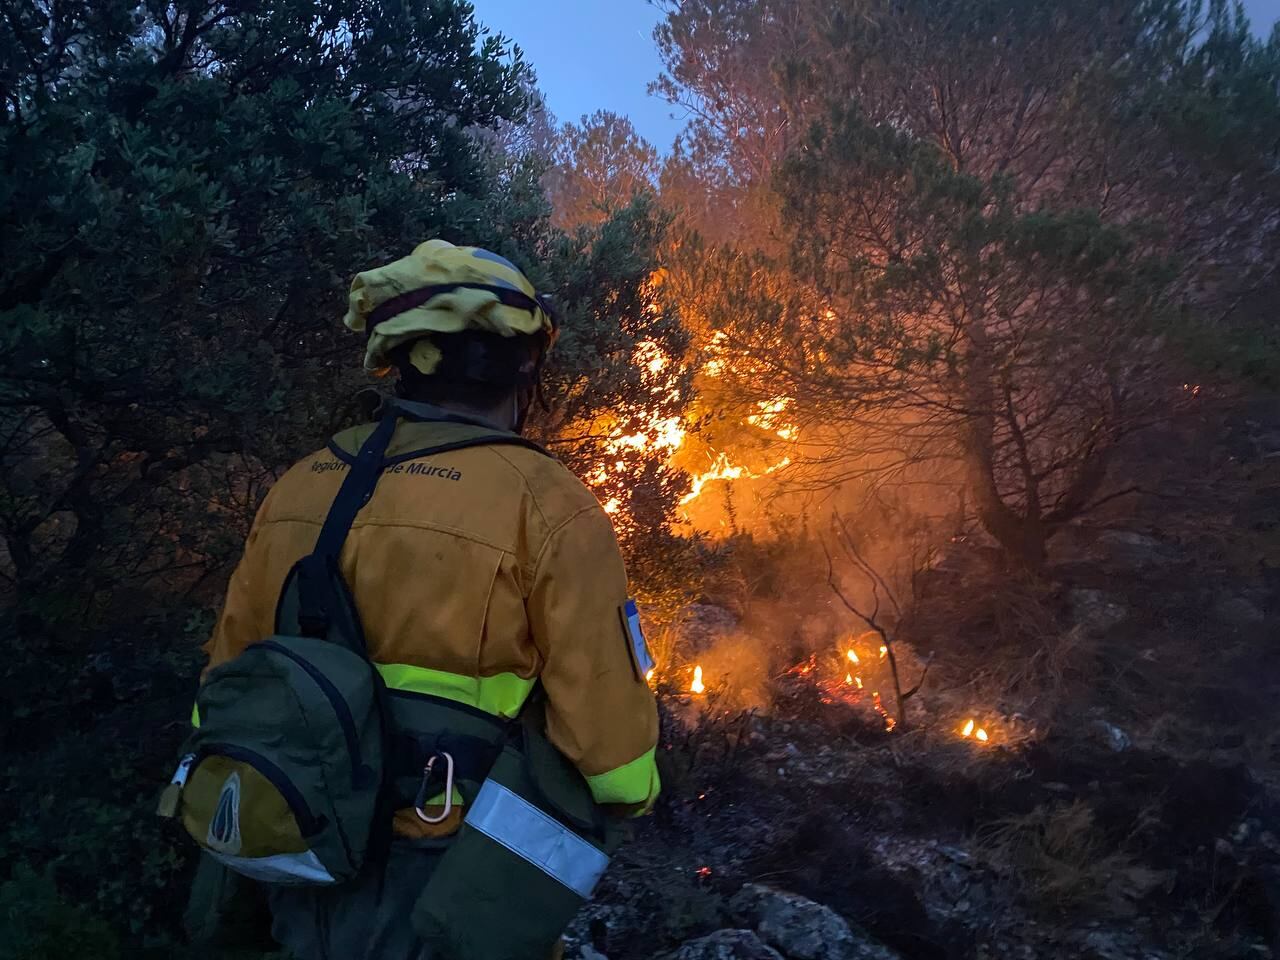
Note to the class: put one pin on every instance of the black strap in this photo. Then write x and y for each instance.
(473, 756)
(357, 488)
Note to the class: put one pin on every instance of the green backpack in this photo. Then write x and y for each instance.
(283, 779)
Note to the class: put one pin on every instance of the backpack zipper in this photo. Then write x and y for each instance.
(308, 823)
(340, 706)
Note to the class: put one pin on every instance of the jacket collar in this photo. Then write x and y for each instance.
(430, 413)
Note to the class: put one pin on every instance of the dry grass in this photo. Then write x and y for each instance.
(663, 646)
(1057, 855)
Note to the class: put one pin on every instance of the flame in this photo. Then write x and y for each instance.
(853, 657)
(848, 678)
(858, 682)
(770, 418)
(648, 677)
(982, 735)
(968, 729)
(884, 651)
(971, 729)
(697, 686)
(723, 469)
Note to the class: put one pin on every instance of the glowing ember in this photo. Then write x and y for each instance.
(804, 667)
(884, 652)
(649, 676)
(848, 678)
(889, 722)
(858, 682)
(853, 657)
(704, 872)
(968, 729)
(697, 686)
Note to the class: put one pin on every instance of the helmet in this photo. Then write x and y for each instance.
(476, 302)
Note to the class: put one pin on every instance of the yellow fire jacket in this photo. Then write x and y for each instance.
(475, 573)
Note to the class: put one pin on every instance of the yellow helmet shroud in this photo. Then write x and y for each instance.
(443, 289)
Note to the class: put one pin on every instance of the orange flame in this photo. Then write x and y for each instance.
(853, 657)
(697, 686)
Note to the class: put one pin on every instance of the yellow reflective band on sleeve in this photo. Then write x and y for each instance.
(501, 695)
(636, 782)
(195, 715)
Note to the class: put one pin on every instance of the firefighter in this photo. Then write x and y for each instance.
(483, 576)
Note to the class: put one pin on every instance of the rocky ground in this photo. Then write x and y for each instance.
(848, 850)
(1127, 806)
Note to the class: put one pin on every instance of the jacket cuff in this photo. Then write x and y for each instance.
(634, 784)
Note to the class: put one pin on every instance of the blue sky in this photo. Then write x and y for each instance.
(590, 55)
(599, 54)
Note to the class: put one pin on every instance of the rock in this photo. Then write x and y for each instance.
(1238, 613)
(725, 945)
(1094, 611)
(590, 953)
(1112, 736)
(1134, 552)
(802, 929)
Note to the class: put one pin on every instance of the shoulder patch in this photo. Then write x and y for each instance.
(641, 660)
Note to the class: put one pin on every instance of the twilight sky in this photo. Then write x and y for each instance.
(599, 54)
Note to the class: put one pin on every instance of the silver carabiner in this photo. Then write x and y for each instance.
(421, 800)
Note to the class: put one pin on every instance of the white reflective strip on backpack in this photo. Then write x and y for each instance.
(284, 868)
(530, 834)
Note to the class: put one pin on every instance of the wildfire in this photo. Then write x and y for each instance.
(648, 677)
(853, 657)
(697, 686)
(971, 729)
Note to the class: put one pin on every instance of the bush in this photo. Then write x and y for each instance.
(36, 923)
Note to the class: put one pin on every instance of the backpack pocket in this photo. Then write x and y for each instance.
(281, 782)
(521, 866)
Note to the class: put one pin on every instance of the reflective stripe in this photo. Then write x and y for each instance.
(501, 695)
(195, 715)
(530, 834)
(282, 868)
(634, 782)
